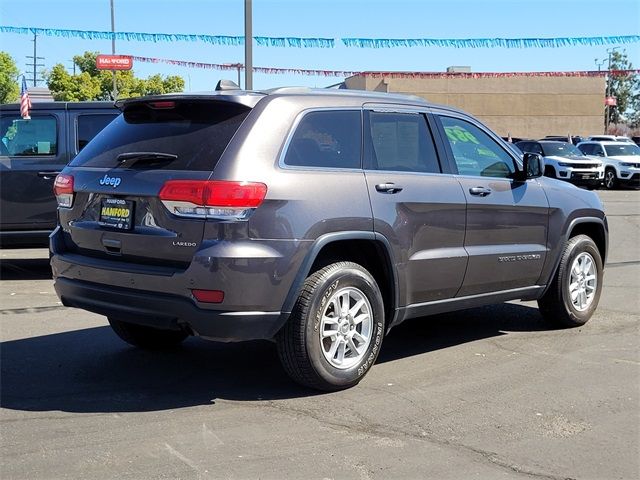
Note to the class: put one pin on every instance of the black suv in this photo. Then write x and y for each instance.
(317, 218)
(32, 152)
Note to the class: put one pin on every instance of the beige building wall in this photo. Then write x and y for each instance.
(528, 107)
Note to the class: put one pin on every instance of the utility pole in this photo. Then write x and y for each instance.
(113, 50)
(74, 67)
(599, 64)
(248, 46)
(35, 58)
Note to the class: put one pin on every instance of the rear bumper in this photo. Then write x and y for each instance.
(254, 288)
(167, 311)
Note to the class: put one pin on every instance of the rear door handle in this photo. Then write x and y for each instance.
(388, 188)
(48, 175)
(480, 191)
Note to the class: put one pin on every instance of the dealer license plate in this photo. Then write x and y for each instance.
(116, 213)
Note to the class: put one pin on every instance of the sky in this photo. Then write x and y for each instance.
(327, 19)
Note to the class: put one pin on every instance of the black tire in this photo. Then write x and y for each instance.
(148, 338)
(556, 305)
(610, 179)
(300, 345)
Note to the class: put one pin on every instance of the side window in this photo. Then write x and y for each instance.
(587, 149)
(400, 142)
(475, 152)
(26, 138)
(536, 148)
(329, 139)
(524, 146)
(89, 126)
(598, 150)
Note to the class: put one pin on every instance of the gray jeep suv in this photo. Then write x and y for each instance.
(316, 218)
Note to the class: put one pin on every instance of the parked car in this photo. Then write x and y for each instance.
(565, 162)
(609, 138)
(513, 139)
(575, 139)
(32, 153)
(621, 161)
(316, 218)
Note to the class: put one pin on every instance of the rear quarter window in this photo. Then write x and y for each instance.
(326, 139)
(90, 125)
(197, 133)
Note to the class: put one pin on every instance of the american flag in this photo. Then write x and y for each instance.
(25, 101)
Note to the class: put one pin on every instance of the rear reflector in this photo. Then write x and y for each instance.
(208, 296)
(63, 190)
(212, 198)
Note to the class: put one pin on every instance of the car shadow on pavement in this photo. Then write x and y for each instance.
(91, 370)
(25, 269)
(425, 334)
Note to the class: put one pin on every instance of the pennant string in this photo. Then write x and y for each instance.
(318, 42)
(553, 42)
(226, 40)
(346, 73)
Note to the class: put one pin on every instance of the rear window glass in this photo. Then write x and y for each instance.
(189, 136)
(27, 138)
(89, 126)
(329, 139)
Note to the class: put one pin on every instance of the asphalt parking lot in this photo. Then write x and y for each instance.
(484, 393)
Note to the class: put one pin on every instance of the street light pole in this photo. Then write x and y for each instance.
(113, 50)
(248, 46)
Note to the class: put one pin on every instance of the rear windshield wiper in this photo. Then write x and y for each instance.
(145, 157)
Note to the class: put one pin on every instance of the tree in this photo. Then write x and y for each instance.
(625, 88)
(94, 84)
(634, 116)
(72, 88)
(9, 90)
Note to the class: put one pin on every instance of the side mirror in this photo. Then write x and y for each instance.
(532, 167)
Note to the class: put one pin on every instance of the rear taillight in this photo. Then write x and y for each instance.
(63, 189)
(212, 198)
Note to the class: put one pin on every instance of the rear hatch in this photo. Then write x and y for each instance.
(116, 212)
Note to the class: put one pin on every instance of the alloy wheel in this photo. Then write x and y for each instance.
(346, 328)
(583, 281)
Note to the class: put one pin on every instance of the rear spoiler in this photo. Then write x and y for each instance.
(242, 97)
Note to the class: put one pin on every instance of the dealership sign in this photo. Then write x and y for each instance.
(114, 62)
(610, 101)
